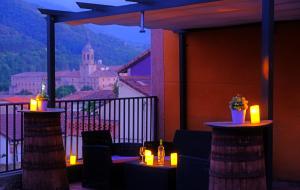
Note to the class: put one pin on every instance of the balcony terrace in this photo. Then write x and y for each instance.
(203, 52)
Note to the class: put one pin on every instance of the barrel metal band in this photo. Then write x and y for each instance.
(237, 175)
(237, 156)
(43, 124)
(44, 165)
(35, 132)
(237, 141)
(43, 149)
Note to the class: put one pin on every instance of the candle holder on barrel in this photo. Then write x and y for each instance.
(42, 98)
(238, 106)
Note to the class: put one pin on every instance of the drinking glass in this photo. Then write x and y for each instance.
(142, 153)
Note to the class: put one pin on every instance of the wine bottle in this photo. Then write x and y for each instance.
(161, 153)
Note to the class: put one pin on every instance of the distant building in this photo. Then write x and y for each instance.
(135, 77)
(91, 74)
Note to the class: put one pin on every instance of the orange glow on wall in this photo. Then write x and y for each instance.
(265, 68)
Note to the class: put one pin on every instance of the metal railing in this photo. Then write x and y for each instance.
(130, 120)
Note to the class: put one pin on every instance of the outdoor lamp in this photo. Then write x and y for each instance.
(33, 105)
(255, 114)
(72, 159)
(142, 23)
(174, 157)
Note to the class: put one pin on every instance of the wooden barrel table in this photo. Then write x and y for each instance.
(44, 165)
(237, 159)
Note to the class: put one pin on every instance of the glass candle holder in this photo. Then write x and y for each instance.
(33, 105)
(255, 114)
(149, 160)
(73, 159)
(174, 158)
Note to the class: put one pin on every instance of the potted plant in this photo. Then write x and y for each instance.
(42, 98)
(238, 106)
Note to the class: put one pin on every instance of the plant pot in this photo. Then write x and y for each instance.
(42, 105)
(238, 116)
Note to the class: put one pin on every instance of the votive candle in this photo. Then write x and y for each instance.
(255, 114)
(33, 105)
(148, 154)
(174, 157)
(150, 160)
(73, 159)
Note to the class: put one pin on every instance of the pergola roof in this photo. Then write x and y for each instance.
(179, 14)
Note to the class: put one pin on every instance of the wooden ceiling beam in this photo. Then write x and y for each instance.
(141, 1)
(54, 12)
(72, 18)
(92, 6)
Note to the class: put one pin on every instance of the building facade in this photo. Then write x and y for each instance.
(91, 74)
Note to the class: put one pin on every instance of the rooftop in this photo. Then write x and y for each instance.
(140, 83)
(15, 99)
(134, 61)
(104, 73)
(88, 95)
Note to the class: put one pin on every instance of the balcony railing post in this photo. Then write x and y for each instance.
(156, 123)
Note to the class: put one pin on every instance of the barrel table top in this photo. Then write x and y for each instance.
(49, 110)
(247, 124)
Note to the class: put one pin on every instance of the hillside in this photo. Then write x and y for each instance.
(23, 43)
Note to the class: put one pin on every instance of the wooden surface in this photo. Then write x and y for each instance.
(227, 124)
(167, 164)
(237, 156)
(44, 165)
(201, 15)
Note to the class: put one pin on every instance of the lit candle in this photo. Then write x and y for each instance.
(255, 114)
(148, 154)
(149, 160)
(33, 105)
(72, 159)
(174, 159)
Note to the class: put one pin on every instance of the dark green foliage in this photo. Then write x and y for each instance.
(24, 92)
(86, 88)
(63, 91)
(23, 43)
(91, 108)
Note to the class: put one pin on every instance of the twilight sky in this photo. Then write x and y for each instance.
(129, 34)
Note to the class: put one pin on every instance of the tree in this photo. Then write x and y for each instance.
(86, 88)
(24, 92)
(63, 91)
